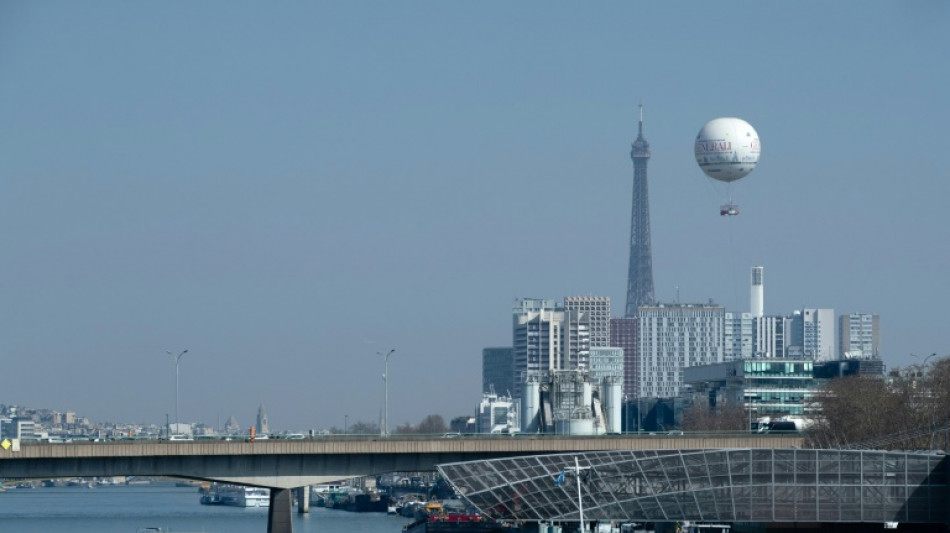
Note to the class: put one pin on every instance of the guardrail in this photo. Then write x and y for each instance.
(406, 437)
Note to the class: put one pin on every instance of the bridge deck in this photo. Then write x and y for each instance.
(285, 464)
(475, 445)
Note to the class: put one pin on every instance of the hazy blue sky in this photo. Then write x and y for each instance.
(286, 190)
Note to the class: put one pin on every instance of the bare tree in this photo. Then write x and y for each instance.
(859, 409)
(404, 429)
(432, 424)
(938, 385)
(363, 428)
(932, 400)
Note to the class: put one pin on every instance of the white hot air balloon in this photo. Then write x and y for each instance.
(727, 149)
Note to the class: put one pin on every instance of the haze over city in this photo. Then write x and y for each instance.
(287, 191)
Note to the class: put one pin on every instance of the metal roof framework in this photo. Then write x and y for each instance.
(723, 485)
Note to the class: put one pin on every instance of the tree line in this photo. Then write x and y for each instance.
(430, 425)
(908, 409)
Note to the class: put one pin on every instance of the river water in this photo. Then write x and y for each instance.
(126, 509)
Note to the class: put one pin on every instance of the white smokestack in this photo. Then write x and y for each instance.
(757, 297)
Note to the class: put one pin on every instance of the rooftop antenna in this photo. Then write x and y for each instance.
(640, 128)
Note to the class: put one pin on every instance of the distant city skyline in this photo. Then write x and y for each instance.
(288, 191)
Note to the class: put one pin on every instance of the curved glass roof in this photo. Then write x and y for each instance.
(728, 485)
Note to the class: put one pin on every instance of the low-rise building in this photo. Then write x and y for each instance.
(764, 387)
(772, 387)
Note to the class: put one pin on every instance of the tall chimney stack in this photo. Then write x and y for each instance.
(757, 297)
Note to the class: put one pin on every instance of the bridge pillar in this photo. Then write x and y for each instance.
(281, 511)
(303, 500)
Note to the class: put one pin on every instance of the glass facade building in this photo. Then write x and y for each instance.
(498, 370)
(720, 485)
(765, 387)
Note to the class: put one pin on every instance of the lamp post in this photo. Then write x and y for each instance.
(626, 410)
(577, 468)
(385, 428)
(177, 360)
(639, 415)
(930, 392)
(926, 359)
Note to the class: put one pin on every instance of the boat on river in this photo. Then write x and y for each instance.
(210, 498)
(239, 496)
(458, 523)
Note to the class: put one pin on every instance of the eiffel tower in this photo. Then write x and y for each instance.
(640, 271)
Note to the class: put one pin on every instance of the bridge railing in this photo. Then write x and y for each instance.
(410, 437)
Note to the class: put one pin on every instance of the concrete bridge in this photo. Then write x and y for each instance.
(282, 465)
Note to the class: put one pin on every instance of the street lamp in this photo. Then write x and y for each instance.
(928, 381)
(385, 428)
(577, 468)
(926, 359)
(639, 415)
(177, 360)
(626, 411)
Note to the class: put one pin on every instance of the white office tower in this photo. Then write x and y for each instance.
(757, 295)
(738, 336)
(537, 339)
(576, 343)
(812, 334)
(547, 337)
(859, 336)
(768, 336)
(589, 327)
(674, 337)
(497, 414)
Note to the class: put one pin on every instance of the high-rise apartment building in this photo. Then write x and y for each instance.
(588, 326)
(623, 334)
(673, 337)
(498, 371)
(597, 311)
(769, 336)
(813, 334)
(547, 336)
(640, 267)
(738, 336)
(537, 339)
(859, 336)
